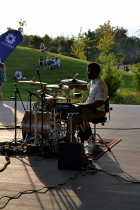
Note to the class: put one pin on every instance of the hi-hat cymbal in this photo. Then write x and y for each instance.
(44, 89)
(54, 98)
(73, 81)
(61, 86)
(34, 82)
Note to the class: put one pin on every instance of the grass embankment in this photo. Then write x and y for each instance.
(26, 59)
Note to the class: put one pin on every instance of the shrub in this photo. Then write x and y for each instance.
(136, 76)
(112, 79)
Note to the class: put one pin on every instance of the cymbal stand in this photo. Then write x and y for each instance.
(42, 96)
(70, 125)
(16, 91)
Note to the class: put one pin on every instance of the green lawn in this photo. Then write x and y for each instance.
(26, 59)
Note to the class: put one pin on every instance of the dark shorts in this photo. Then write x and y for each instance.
(1, 83)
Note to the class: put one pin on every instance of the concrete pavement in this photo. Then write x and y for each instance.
(99, 191)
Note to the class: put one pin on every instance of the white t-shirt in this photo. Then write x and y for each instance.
(97, 91)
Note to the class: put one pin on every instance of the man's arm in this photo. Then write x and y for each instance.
(81, 87)
(94, 105)
(1, 69)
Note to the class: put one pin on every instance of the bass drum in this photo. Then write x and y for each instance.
(47, 124)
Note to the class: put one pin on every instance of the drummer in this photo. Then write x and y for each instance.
(94, 106)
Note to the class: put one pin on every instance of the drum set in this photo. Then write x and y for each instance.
(49, 121)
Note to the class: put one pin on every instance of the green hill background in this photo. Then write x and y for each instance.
(26, 59)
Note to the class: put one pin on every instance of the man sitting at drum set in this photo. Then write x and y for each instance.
(94, 107)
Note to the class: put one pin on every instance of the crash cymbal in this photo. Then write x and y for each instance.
(44, 89)
(73, 81)
(34, 82)
(55, 98)
(61, 86)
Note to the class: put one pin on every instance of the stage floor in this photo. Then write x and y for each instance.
(99, 191)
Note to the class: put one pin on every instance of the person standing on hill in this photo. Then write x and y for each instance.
(2, 77)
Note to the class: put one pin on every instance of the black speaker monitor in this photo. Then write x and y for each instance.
(70, 155)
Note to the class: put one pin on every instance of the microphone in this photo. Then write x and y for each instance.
(32, 93)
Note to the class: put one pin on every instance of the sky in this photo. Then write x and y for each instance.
(66, 17)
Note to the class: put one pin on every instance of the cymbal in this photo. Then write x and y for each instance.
(54, 98)
(34, 82)
(61, 86)
(44, 89)
(74, 81)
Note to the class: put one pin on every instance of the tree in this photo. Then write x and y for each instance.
(78, 48)
(35, 42)
(105, 43)
(91, 40)
(21, 23)
(136, 76)
(9, 28)
(112, 78)
(110, 75)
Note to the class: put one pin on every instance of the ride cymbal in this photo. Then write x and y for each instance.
(34, 82)
(74, 81)
(61, 86)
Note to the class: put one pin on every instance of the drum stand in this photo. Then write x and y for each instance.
(16, 91)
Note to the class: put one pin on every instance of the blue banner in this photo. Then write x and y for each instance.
(8, 42)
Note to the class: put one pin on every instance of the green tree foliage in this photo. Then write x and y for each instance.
(110, 75)
(112, 78)
(126, 49)
(21, 23)
(105, 43)
(78, 48)
(9, 28)
(136, 76)
(91, 40)
(35, 41)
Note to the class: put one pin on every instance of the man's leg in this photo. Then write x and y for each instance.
(86, 115)
(1, 84)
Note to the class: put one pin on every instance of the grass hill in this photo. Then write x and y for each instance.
(26, 59)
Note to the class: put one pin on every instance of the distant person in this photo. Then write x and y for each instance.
(49, 63)
(127, 69)
(42, 49)
(57, 62)
(2, 77)
(124, 69)
(118, 67)
(18, 74)
(41, 60)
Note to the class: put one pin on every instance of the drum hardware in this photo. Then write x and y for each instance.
(74, 81)
(44, 90)
(16, 91)
(55, 98)
(78, 96)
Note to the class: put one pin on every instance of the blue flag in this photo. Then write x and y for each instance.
(8, 42)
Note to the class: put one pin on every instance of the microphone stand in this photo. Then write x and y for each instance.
(16, 91)
(42, 96)
(30, 94)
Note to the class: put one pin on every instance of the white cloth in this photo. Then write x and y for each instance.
(97, 91)
(56, 61)
(18, 75)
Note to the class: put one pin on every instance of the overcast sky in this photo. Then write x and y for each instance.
(65, 17)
